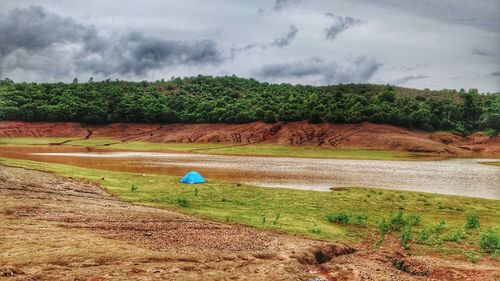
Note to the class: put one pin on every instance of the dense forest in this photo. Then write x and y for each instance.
(206, 99)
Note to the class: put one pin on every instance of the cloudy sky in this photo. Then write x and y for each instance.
(414, 43)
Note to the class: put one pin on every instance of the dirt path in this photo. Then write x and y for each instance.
(53, 228)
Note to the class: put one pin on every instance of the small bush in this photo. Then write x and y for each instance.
(438, 228)
(413, 220)
(471, 256)
(383, 226)
(361, 219)
(424, 236)
(341, 217)
(397, 222)
(183, 202)
(454, 236)
(405, 239)
(315, 230)
(472, 221)
(133, 188)
(490, 242)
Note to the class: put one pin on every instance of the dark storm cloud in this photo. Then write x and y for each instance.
(285, 41)
(360, 69)
(33, 29)
(31, 33)
(137, 53)
(280, 42)
(483, 52)
(340, 24)
(280, 4)
(406, 79)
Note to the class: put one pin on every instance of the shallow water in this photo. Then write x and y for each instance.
(457, 176)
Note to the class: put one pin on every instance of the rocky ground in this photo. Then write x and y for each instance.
(54, 228)
(365, 135)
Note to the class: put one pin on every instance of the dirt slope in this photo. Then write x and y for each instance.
(365, 135)
(79, 232)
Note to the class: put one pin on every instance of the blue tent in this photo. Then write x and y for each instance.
(192, 177)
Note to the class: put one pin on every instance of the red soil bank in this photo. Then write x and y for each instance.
(364, 135)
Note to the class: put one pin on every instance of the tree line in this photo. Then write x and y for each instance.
(229, 99)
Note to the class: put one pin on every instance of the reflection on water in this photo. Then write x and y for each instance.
(458, 176)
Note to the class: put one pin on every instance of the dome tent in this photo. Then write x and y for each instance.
(192, 177)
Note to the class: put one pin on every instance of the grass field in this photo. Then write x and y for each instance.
(253, 149)
(435, 223)
(491, 163)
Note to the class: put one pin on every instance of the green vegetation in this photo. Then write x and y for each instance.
(342, 218)
(491, 163)
(490, 242)
(309, 213)
(183, 202)
(471, 256)
(472, 222)
(230, 99)
(406, 237)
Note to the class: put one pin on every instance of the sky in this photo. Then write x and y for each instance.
(432, 44)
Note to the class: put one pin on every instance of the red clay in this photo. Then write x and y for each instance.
(364, 135)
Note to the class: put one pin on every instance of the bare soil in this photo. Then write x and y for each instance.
(55, 228)
(365, 135)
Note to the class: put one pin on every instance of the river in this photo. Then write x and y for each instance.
(465, 177)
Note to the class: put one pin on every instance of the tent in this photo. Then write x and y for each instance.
(192, 177)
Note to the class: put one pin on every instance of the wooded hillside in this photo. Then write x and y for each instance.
(206, 99)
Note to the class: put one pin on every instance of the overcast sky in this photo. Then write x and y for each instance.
(414, 43)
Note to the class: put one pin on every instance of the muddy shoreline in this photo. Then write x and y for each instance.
(364, 135)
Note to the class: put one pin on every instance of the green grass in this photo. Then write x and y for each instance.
(225, 149)
(302, 212)
(491, 163)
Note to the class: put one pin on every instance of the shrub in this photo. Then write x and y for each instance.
(383, 226)
(413, 220)
(490, 242)
(405, 239)
(438, 228)
(183, 202)
(361, 219)
(471, 256)
(454, 236)
(472, 221)
(341, 217)
(397, 221)
(424, 236)
(315, 229)
(133, 188)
